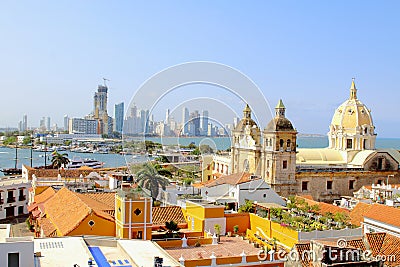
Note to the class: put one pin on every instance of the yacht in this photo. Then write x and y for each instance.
(78, 162)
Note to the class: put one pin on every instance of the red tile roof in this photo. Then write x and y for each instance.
(385, 214)
(45, 195)
(385, 245)
(358, 212)
(324, 207)
(66, 210)
(302, 251)
(167, 214)
(232, 179)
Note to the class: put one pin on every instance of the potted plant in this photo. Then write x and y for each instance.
(236, 229)
(217, 229)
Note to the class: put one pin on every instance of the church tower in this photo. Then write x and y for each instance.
(279, 153)
(352, 128)
(246, 145)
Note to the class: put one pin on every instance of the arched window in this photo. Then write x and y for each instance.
(288, 144)
(246, 165)
(281, 143)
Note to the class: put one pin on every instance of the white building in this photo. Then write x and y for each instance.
(238, 187)
(382, 218)
(13, 197)
(15, 251)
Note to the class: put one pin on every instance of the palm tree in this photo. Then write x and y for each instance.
(172, 229)
(150, 179)
(58, 160)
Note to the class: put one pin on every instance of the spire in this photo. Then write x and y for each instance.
(247, 112)
(353, 90)
(280, 109)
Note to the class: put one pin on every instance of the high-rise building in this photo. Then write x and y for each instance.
(167, 118)
(24, 123)
(185, 120)
(194, 125)
(100, 110)
(48, 125)
(204, 123)
(83, 126)
(119, 116)
(66, 123)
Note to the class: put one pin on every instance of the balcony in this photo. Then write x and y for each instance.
(10, 199)
(21, 198)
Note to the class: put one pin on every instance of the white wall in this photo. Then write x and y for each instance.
(24, 248)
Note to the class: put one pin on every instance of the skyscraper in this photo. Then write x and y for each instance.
(194, 125)
(48, 125)
(119, 116)
(204, 123)
(100, 109)
(24, 126)
(66, 123)
(185, 119)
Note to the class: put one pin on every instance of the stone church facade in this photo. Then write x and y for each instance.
(348, 163)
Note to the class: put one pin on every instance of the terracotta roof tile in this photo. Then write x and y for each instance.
(383, 213)
(232, 179)
(67, 209)
(47, 227)
(105, 198)
(167, 214)
(302, 250)
(324, 207)
(45, 195)
(385, 245)
(358, 212)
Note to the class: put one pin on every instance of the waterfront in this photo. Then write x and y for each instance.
(7, 155)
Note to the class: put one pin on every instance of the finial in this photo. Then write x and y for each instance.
(353, 89)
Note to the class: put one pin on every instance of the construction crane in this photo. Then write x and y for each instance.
(104, 80)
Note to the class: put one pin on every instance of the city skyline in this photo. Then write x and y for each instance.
(51, 65)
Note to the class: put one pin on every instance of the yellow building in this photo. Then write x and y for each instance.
(133, 215)
(68, 214)
(203, 217)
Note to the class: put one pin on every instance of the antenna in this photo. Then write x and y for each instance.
(104, 80)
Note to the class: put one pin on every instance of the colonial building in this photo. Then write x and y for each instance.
(349, 162)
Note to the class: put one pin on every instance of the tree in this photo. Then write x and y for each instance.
(217, 229)
(149, 178)
(247, 207)
(172, 228)
(10, 140)
(58, 160)
(26, 141)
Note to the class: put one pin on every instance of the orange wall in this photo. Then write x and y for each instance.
(240, 219)
(101, 227)
(228, 260)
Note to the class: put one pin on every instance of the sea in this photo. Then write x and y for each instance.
(7, 155)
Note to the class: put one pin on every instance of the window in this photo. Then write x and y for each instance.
(265, 195)
(304, 186)
(20, 210)
(209, 177)
(13, 259)
(379, 181)
(281, 143)
(267, 164)
(380, 163)
(349, 143)
(284, 164)
(288, 144)
(351, 184)
(329, 185)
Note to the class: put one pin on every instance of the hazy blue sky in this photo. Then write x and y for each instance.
(53, 54)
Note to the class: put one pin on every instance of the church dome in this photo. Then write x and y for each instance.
(352, 116)
(351, 126)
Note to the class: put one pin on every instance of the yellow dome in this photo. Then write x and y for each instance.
(352, 116)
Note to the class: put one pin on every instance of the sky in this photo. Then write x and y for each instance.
(53, 54)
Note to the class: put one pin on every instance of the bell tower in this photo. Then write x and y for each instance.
(279, 153)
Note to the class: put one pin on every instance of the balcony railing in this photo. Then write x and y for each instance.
(10, 199)
(21, 198)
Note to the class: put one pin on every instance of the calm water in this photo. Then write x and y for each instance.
(7, 155)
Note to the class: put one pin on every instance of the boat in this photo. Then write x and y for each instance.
(11, 171)
(78, 162)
